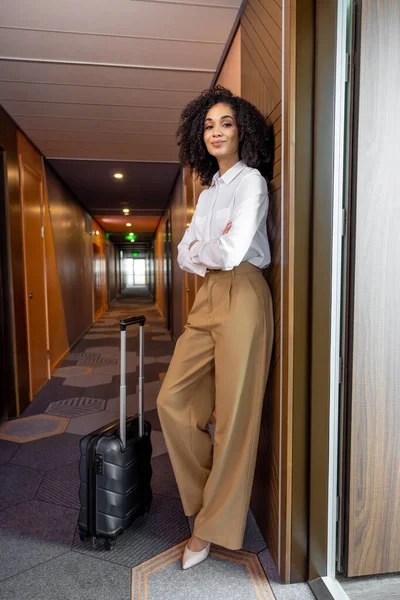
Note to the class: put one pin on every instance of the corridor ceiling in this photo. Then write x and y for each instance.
(106, 81)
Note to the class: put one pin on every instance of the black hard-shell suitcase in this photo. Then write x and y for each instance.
(115, 464)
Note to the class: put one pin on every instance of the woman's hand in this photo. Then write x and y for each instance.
(227, 228)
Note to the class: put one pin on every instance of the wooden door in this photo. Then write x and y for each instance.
(372, 491)
(35, 285)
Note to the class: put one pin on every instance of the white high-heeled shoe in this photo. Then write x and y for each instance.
(191, 558)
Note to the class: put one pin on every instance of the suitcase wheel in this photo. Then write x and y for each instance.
(108, 544)
(143, 511)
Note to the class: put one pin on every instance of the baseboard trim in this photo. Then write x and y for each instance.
(59, 360)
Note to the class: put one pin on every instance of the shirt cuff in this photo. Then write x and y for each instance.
(197, 269)
(193, 253)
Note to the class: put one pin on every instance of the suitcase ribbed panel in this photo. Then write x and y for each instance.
(122, 492)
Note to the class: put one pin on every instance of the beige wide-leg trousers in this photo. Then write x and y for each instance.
(220, 362)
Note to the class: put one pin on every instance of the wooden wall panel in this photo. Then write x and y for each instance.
(73, 250)
(261, 68)
(230, 76)
(261, 36)
(58, 339)
(16, 388)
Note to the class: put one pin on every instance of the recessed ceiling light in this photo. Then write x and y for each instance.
(126, 211)
(118, 175)
(132, 241)
(129, 224)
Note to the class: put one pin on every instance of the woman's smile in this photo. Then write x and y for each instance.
(221, 135)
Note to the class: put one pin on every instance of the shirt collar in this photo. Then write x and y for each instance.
(230, 174)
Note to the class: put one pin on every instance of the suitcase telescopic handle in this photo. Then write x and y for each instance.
(131, 321)
(122, 412)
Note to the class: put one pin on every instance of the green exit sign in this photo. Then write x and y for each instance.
(135, 253)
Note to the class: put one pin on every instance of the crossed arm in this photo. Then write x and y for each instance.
(227, 251)
(227, 228)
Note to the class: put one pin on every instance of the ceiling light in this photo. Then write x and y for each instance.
(132, 241)
(118, 175)
(129, 224)
(125, 211)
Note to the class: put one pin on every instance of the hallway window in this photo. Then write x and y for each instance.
(135, 271)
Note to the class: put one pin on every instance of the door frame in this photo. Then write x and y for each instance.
(333, 25)
(9, 395)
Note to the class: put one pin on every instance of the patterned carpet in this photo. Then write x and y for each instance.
(42, 555)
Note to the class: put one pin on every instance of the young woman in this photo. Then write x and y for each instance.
(221, 361)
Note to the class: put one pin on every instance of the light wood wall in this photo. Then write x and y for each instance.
(230, 75)
(277, 66)
(73, 248)
(261, 74)
(58, 338)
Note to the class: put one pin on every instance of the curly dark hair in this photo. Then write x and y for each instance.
(255, 134)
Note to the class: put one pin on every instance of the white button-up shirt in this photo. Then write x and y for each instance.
(240, 196)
